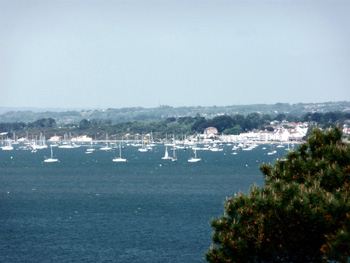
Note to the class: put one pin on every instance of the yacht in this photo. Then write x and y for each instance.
(174, 158)
(166, 155)
(51, 159)
(194, 159)
(273, 151)
(119, 159)
(8, 146)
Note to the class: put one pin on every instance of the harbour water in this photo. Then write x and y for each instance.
(86, 208)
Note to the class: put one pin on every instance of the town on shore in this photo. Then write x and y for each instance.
(285, 132)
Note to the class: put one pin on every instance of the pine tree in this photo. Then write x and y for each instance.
(302, 214)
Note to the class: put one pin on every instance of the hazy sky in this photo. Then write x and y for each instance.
(100, 53)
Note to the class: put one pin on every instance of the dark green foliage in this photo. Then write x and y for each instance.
(280, 117)
(92, 125)
(235, 130)
(42, 123)
(84, 124)
(200, 124)
(9, 127)
(221, 123)
(186, 120)
(302, 214)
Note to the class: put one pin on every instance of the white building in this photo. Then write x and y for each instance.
(210, 132)
(83, 138)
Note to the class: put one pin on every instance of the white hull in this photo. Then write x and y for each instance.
(106, 149)
(194, 160)
(40, 147)
(271, 153)
(119, 160)
(7, 148)
(66, 146)
(247, 149)
(143, 150)
(216, 149)
(51, 160)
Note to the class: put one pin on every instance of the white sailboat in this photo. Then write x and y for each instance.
(41, 145)
(143, 149)
(280, 145)
(66, 144)
(119, 159)
(90, 150)
(8, 146)
(174, 158)
(107, 147)
(166, 155)
(235, 147)
(51, 159)
(216, 148)
(234, 151)
(273, 151)
(194, 159)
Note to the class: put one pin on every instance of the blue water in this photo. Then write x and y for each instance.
(87, 208)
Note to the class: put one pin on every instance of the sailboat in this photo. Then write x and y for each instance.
(215, 148)
(280, 145)
(51, 159)
(194, 159)
(174, 158)
(143, 149)
(166, 155)
(234, 150)
(8, 146)
(273, 151)
(107, 147)
(66, 144)
(41, 143)
(90, 150)
(119, 159)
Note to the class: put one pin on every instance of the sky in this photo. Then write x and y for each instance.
(130, 53)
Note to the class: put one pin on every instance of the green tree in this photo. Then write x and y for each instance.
(235, 130)
(221, 123)
(266, 119)
(269, 128)
(302, 214)
(306, 117)
(316, 116)
(280, 117)
(255, 119)
(186, 120)
(42, 123)
(200, 124)
(84, 124)
(170, 119)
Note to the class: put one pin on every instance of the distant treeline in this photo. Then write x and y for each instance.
(21, 126)
(131, 114)
(225, 124)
